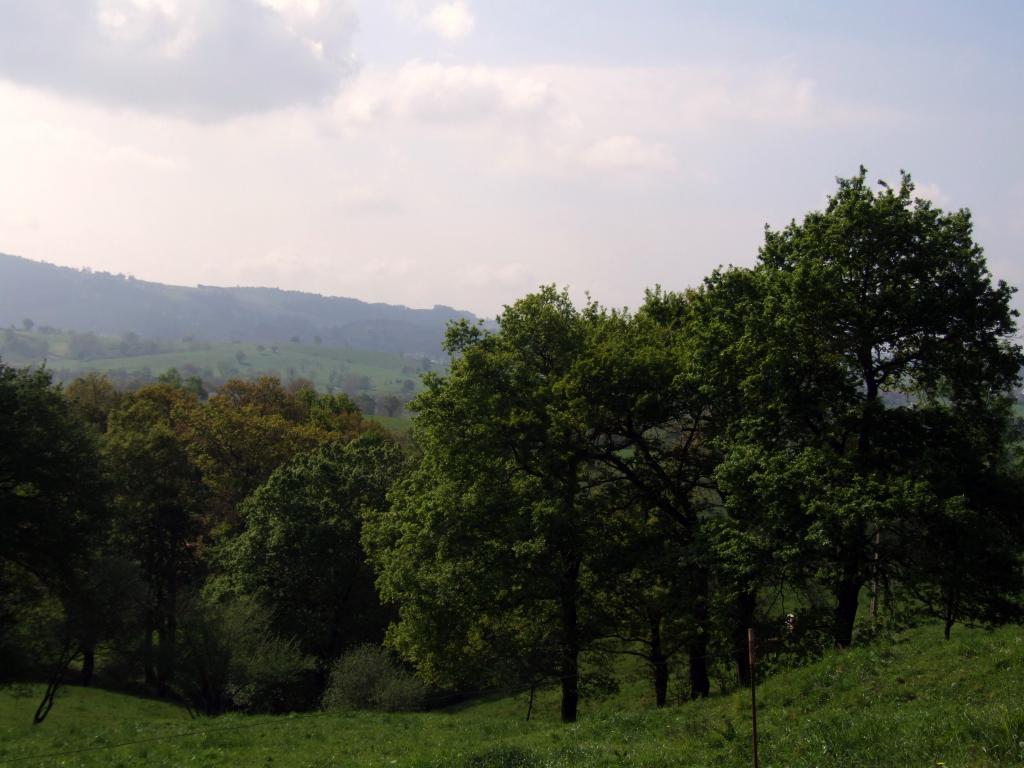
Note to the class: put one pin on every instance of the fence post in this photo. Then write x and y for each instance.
(751, 655)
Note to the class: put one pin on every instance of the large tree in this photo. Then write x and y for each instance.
(505, 492)
(872, 312)
(52, 517)
(158, 500)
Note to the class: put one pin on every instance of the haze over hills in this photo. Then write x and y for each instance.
(114, 305)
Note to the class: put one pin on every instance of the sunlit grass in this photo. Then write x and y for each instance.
(915, 701)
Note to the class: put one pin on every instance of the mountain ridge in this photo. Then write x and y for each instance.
(104, 303)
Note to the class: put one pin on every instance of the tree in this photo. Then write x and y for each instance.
(159, 499)
(52, 521)
(300, 554)
(486, 549)
(965, 544)
(94, 396)
(390, 404)
(874, 312)
(50, 486)
(651, 419)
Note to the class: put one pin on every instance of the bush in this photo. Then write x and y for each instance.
(231, 659)
(366, 677)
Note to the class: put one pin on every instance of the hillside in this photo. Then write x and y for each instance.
(115, 305)
(910, 701)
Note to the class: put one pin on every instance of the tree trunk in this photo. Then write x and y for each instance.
(847, 597)
(570, 682)
(167, 637)
(88, 664)
(700, 682)
(660, 681)
(148, 663)
(949, 615)
(165, 656)
(746, 604)
(67, 655)
(570, 643)
(659, 662)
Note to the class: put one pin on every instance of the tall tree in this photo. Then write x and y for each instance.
(52, 517)
(873, 310)
(159, 498)
(647, 421)
(505, 491)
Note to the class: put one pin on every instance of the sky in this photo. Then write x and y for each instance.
(464, 152)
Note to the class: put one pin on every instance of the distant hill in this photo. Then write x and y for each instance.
(114, 305)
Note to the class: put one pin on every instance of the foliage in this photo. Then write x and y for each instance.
(500, 518)
(367, 677)
(300, 552)
(50, 486)
(868, 318)
(231, 658)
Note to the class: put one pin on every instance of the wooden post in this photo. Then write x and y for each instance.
(873, 605)
(751, 655)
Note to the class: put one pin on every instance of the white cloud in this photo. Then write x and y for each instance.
(627, 152)
(205, 59)
(368, 199)
(432, 92)
(562, 122)
(130, 155)
(932, 193)
(452, 21)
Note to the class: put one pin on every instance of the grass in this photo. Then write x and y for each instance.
(915, 700)
(327, 367)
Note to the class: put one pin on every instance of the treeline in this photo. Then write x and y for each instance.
(35, 343)
(788, 447)
(207, 549)
(655, 482)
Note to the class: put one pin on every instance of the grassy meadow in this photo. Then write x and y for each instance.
(911, 700)
(331, 369)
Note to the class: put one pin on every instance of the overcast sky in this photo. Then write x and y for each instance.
(465, 152)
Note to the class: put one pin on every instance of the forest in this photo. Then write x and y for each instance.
(814, 447)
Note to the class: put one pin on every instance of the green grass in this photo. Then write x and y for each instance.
(325, 366)
(915, 701)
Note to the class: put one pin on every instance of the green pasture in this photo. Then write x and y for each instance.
(327, 367)
(909, 700)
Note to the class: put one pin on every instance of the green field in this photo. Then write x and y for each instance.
(915, 700)
(329, 368)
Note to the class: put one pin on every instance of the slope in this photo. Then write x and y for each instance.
(913, 700)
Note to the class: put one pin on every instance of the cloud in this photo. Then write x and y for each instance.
(200, 59)
(452, 21)
(140, 158)
(933, 193)
(431, 92)
(627, 152)
(559, 120)
(363, 199)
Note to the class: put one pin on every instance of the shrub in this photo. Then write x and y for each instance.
(366, 677)
(231, 659)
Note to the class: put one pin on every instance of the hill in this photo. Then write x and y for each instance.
(914, 700)
(115, 305)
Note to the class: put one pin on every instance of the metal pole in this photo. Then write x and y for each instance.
(753, 694)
